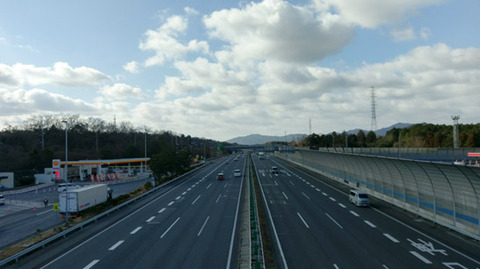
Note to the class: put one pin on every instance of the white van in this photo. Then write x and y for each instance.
(359, 198)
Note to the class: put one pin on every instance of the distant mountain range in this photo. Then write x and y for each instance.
(257, 139)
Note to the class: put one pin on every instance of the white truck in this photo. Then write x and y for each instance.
(82, 198)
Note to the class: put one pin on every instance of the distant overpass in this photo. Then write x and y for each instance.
(266, 148)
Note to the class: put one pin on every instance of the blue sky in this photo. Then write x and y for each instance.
(222, 69)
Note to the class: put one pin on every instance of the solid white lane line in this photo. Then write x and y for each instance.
(161, 210)
(218, 199)
(423, 259)
(342, 205)
(39, 214)
(90, 265)
(354, 213)
(136, 230)
(305, 195)
(285, 195)
(304, 222)
(209, 185)
(150, 219)
(370, 224)
(203, 226)
(196, 199)
(173, 224)
(171, 203)
(116, 245)
(394, 240)
(338, 224)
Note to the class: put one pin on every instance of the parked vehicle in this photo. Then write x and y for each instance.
(82, 198)
(359, 198)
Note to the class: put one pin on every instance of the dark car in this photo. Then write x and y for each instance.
(274, 170)
(220, 176)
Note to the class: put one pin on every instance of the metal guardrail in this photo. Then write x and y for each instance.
(80, 226)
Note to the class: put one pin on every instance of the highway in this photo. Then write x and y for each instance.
(317, 227)
(190, 224)
(21, 218)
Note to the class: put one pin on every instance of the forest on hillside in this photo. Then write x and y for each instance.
(28, 149)
(415, 136)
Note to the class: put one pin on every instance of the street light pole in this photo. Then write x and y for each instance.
(145, 150)
(66, 172)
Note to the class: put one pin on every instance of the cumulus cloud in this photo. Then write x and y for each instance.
(415, 83)
(60, 74)
(132, 67)
(164, 43)
(121, 91)
(198, 77)
(38, 101)
(372, 13)
(277, 30)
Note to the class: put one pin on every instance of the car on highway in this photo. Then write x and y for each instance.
(359, 198)
(220, 176)
(237, 173)
(274, 170)
(2, 199)
(63, 186)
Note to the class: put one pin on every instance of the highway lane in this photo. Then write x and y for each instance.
(191, 226)
(319, 228)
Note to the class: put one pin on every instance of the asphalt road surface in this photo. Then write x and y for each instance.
(318, 228)
(190, 224)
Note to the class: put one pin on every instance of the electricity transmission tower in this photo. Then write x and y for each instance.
(373, 126)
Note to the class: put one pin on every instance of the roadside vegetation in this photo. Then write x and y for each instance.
(415, 136)
(28, 149)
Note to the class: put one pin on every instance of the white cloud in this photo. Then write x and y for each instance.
(60, 74)
(372, 13)
(15, 102)
(409, 88)
(121, 91)
(405, 34)
(408, 34)
(132, 67)
(165, 45)
(277, 30)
